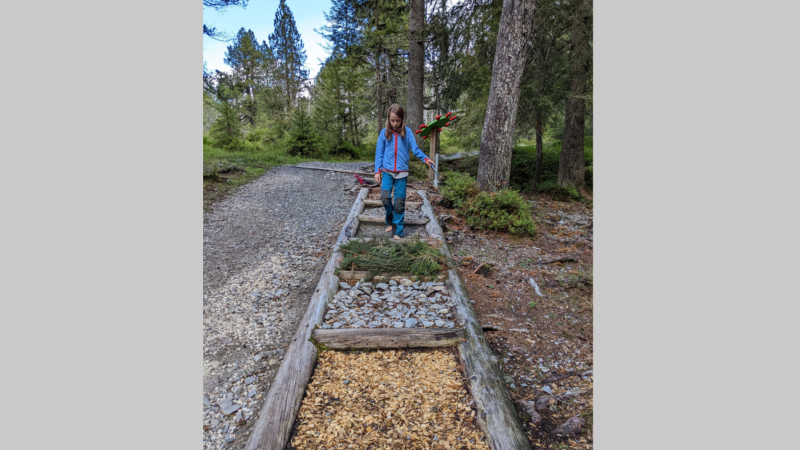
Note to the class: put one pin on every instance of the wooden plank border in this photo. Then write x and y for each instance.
(377, 338)
(497, 417)
(276, 418)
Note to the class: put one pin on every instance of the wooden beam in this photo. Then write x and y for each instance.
(276, 418)
(497, 417)
(376, 219)
(337, 170)
(378, 203)
(433, 242)
(375, 338)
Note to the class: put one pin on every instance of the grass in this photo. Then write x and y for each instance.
(384, 256)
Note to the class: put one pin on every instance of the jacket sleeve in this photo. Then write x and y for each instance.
(379, 152)
(414, 148)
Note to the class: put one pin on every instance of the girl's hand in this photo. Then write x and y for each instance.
(429, 162)
(377, 178)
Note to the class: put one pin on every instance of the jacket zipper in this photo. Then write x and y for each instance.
(395, 151)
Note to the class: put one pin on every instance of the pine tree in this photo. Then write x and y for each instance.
(571, 168)
(497, 137)
(247, 59)
(344, 29)
(289, 54)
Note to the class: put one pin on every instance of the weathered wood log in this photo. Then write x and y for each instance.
(380, 220)
(497, 417)
(374, 338)
(277, 415)
(337, 170)
(378, 203)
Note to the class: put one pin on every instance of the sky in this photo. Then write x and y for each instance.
(259, 16)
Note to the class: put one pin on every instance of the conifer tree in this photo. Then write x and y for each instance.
(289, 53)
(247, 59)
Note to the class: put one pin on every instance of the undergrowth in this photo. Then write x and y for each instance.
(384, 256)
(505, 210)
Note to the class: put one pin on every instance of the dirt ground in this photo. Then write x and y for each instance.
(544, 342)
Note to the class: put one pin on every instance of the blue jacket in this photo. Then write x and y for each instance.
(392, 154)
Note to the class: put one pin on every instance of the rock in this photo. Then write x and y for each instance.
(238, 416)
(257, 357)
(229, 438)
(346, 382)
(427, 324)
(381, 286)
(411, 323)
(251, 394)
(529, 408)
(440, 323)
(544, 403)
(249, 380)
(255, 294)
(406, 282)
(214, 423)
(367, 290)
(206, 401)
(393, 283)
(398, 324)
(227, 407)
(237, 389)
(547, 389)
(571, 427)
(344, 285)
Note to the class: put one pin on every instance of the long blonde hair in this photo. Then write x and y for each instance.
(399, 112)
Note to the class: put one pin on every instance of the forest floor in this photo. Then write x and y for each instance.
(544, 343)
(263, 253)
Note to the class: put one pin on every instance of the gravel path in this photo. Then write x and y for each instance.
(264, 249)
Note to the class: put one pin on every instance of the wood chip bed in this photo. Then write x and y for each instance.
(387, 399)
(391, 305)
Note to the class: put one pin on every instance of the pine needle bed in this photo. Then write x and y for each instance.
(389, 258)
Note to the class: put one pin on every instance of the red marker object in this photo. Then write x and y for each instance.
(446, 115)
(440, 129)
(437, 117)
(447, 124)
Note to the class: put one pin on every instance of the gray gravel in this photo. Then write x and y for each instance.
(406, 304)
(264, 249)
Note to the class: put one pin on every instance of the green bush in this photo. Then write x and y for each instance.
(457, 188)
(468, 165)
(505, 210)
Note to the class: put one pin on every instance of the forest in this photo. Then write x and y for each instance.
(518, 74)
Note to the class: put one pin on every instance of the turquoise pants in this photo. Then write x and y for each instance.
(395, 210)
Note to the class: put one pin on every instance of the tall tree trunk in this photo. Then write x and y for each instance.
(379, 91)
(416, 65)
(497, 138)
(537, 175)
(570, 165)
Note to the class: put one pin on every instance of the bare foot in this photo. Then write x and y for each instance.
(397, 237)
(388, 229)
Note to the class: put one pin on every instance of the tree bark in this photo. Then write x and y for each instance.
(537, 175)
(416, 66)
(570, 165)
(367, 338)
(497, 138)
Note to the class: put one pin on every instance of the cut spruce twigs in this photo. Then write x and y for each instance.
(382, 256)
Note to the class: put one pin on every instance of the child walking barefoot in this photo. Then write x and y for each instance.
(391, 159)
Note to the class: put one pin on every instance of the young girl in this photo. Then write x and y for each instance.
(391, 159)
